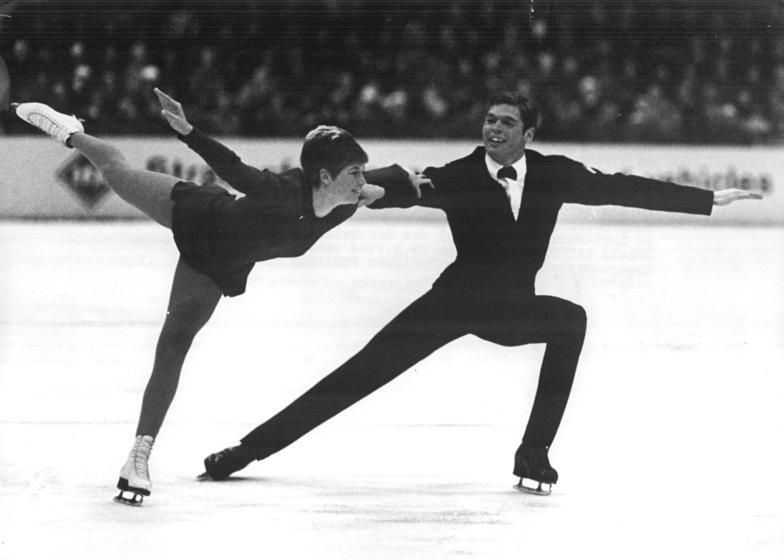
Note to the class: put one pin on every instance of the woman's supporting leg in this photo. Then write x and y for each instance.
(193, 296)
(192, 302)
(148, 191)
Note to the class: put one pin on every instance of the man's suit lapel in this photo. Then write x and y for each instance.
(490, 195)
(534, 187)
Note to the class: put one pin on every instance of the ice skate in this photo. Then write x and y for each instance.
(134, 481)
(57, 125)
(533, 468)
(220, 465)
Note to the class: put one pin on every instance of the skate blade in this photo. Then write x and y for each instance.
(534, 487)
(134, 500)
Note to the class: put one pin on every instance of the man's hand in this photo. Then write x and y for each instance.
(728, 196)
(173, 113)
(417, 180)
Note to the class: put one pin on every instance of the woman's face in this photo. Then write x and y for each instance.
(346, 186)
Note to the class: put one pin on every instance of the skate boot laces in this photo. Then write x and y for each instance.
(134, 482)
(141, 457)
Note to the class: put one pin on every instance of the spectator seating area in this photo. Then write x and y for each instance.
(674, 71)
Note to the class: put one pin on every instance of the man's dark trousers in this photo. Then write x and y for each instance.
(432, 321)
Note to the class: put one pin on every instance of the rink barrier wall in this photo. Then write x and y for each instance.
(40, 179)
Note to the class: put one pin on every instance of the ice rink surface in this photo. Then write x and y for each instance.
(671, 446)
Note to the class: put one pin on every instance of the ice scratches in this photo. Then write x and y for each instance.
(405, 502)
(404, 514)
(41, 481)
(462, 517)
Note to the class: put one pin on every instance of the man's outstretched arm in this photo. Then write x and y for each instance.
(396, 187)
(589, 186)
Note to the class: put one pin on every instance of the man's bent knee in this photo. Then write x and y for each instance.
(579, 318)
(574, 321)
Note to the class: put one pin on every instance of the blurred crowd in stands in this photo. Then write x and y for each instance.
(685, 71)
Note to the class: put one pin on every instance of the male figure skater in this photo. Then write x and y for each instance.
(502, 203)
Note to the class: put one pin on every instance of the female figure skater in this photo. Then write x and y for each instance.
(219, 236)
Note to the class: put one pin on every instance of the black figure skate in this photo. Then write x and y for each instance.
(533, 468)
(220, 465)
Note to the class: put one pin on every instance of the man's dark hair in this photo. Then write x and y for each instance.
(330, 148)
(529, 113)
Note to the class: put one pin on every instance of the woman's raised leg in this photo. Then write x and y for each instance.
(148, 191)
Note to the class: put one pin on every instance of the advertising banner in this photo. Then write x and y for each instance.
(40, 179)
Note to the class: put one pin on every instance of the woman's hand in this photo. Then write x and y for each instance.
(370, 193)
(173, 113)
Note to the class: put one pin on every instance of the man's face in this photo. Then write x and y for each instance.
(503, 134)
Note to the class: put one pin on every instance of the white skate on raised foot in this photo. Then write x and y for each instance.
(57, 125)
(135, 473)
(530, 486)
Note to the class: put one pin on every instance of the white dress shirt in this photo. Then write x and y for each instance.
(513, 188)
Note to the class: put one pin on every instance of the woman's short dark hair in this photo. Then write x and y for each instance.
(330, 148)
(528, 110)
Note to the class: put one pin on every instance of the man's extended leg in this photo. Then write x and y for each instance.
(424, 326)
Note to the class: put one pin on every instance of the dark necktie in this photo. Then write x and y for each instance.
(513, 192)
(508, 172)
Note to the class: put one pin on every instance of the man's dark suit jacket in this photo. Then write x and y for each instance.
(495, 253)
